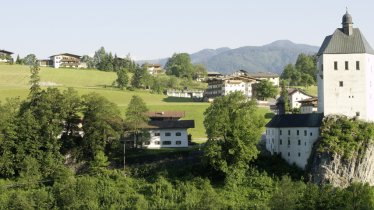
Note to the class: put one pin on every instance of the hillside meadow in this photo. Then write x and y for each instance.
(14, 81)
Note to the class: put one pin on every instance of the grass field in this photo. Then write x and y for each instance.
(312, 90)
(14, 83)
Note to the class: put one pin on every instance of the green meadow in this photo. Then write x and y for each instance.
(14, 83)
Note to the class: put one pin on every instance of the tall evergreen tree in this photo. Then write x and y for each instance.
(122, 78)
(136, 117)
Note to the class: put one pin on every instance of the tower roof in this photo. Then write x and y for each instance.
(341, 42)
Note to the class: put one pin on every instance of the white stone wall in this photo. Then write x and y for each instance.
(347, 92)
(295, 97)
(158, 138)
(293, 144)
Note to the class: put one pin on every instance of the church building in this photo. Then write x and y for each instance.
(345, 87)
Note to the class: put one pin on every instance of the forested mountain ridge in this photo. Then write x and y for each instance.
(270, 58)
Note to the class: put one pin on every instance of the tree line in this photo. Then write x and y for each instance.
(303, 73)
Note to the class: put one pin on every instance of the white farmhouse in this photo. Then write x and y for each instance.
(295, 96)
(5, 56)
(65, 60)
(345, 87)
(167, 131)
(229, 84)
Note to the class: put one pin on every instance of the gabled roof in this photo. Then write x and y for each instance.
(341, 43)
(166, 114)
(294, 90)
(296, 120)
(6, 52)
(170, 124)
(67, 54)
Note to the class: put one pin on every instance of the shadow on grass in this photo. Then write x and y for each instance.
(269, 115)
(177, 100)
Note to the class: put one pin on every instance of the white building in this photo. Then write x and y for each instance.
(65, 60)
(272, 77)
(295, 96)
(185, 93)
(345, 87)
(5, 56)
(153, 69)
(346, 77)
(167, 131)
(226, 85)
(292, 136)
(309, 105)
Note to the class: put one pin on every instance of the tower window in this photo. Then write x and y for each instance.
(289, 154)
(346, 65)
(298, 142)
(340, 83)
(280, 132)
(297, 132)
(357, 65)
(289, 132)
(280, 141)
(335, 65)
(289, 142)
(305, 132)
(357, 114)
(298, 154)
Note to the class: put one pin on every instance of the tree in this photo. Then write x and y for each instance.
(284, 96)
(19, 60)
(102, 124)
(265, 89)
(180, 65)
(199, 71)
(136, 117)
(122, 78)
(303, 72)
(30, 60)
(234, 128)
(139, 77)
(34, 81)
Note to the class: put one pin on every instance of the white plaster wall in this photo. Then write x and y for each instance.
(290, 152)
(173, 138)
(320, 80)
(370, 88)
(297, 96)
(352, 97)
(56, 61)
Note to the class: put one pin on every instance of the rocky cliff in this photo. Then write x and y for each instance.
(332, 168)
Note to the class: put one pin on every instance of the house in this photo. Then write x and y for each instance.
(153, 69)
(65, 60)
(272, 77)
(292, 136)
(166, 130)
(309, 105)
(198, 94)
(345, 78)
(226, 85)
(295, 95)
(5, 56)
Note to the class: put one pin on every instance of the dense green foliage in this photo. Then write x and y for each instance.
(136, 117)
(122, 78)
(264, 90)
(180, 65)
(345, 136)
(233, 128)
(303, 73)
(29, 60)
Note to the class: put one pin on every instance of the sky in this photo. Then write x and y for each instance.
(150, 29)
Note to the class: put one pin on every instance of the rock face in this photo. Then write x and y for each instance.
(327, 168)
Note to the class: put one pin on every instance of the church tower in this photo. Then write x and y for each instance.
(346, 77)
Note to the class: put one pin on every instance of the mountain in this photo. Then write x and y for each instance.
(268, 58)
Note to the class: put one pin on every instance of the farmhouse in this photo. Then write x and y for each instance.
(63, 60)
(153, 69)
(5, 56)
(309, 105)
(345, 87)
(295, 96)
(272, 77)
(197, 94)
(226, 85)
(166, 130)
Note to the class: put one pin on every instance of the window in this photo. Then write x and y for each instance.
(357, 65)
(167, 134)
(289, 142)
(298, 142)
(305, 132)
(311, 134)
(346, 65)
(157, 142)
(178, 142)
(297, 132)
(340, 83)
(178, 133)
(357, 114)
(289, 132)
(147, 143)
(280, 141)
(280, 132)
(166, 142)
(335, 65)
(157, 134)
(289, 154)
(298, 154)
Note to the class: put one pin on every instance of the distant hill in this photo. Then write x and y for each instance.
(270, 58)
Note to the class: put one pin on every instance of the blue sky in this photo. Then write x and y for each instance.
(150, 29)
